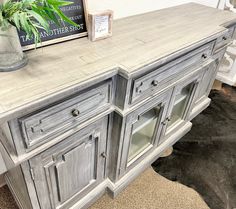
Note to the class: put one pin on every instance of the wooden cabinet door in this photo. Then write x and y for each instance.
(183, 96)
(69, 170)
(142, 131)
(207, 81)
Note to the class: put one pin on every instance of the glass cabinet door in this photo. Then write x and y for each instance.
(180, 104)
(180, 107)
(143, 132)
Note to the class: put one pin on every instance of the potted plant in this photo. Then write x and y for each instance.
(28, 16)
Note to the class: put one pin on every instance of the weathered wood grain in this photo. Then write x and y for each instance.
(68, 162)
(59, 67)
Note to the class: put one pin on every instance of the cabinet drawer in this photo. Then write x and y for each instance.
(50, 122)
(224, 40)
(144, 85)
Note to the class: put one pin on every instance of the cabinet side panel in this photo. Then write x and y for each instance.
(6, 139)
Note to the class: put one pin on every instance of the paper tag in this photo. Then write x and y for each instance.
(101, 26)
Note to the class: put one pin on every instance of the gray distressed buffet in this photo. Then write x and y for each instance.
(84, 118)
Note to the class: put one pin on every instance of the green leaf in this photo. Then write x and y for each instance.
(64, 17)
(59, 3)
(47, 13)
(25, 25)
(36, 35)
(40, 19)
(16, 20)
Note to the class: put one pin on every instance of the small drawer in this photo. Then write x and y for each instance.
(224, 40)
(40, 127)
(151, 82)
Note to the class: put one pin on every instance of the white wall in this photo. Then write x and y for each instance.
(124, 8)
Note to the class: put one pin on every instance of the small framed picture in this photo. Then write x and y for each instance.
(100, 25)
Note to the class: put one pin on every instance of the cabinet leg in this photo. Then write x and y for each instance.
(217, 85)
(167, 152)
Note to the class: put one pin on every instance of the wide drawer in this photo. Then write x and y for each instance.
(224, 39)
(145, 85)
(39, 127)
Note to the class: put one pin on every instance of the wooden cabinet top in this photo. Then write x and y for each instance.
(137, 41)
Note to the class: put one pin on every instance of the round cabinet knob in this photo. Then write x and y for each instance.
(163, 123)
(154, 82)
(104, 155)
(204, 56)
(75, 112)
(224, 38)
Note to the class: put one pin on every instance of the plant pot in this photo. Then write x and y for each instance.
(11, 54)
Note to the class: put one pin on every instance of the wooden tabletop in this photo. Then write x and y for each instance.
(136, 42)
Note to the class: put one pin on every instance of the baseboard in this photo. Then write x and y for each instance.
(92, 197)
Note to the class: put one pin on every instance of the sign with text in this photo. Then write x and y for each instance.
(58, 33)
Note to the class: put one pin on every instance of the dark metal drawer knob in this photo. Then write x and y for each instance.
(154, 82)
(163, 123)
(224, 38)
(75, 112)
(204, 56)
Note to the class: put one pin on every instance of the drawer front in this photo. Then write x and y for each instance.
(57, 119)
(224, 40)
(154, 80)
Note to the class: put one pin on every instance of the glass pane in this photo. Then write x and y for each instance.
(143, 132)
(180, 104)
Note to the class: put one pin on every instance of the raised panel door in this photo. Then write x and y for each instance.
(72, 168)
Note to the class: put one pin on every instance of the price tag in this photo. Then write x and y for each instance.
(101, 26)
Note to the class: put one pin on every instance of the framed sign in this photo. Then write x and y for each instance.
(100, 25)
(76, 12)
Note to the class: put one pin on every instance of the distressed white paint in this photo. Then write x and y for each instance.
(227, 70)
(2, 165)
(124, 8)
(2, 170)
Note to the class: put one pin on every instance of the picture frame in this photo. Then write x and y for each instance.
(100, 25)
(77, 12)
